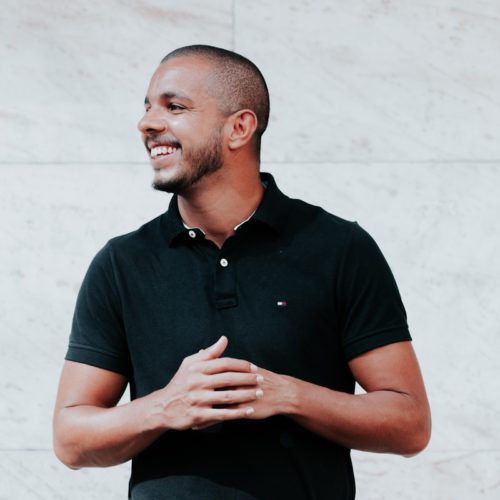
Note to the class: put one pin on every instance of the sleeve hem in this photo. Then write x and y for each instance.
(373, 341)
(99, 359)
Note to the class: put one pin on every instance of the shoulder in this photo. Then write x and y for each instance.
(321, 233)
(146, 236)
(131, 248)
(317, 222)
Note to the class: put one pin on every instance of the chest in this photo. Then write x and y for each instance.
(275, 305)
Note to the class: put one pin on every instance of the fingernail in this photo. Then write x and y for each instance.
(260, 378)
(259, 393)
(253, 367)
(249, 411)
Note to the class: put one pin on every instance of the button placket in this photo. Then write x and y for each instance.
(225, 283)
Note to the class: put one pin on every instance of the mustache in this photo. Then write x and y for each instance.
(152, 140)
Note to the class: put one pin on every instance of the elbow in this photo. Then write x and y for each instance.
(420, 437)
(418, 445)
(63, 448)
(66, 456)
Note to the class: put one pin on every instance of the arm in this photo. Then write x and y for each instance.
(393, 416)
(89, 430)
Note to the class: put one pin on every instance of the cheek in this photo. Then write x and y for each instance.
(182, 125)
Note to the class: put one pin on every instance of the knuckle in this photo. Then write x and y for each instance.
(189, 384)
(221, 416)
(196, 419)
(192, 398)
(191, 367)
(224, 363)
(249, 380)
(193, 381)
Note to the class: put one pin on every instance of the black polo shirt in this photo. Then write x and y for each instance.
(296, 290)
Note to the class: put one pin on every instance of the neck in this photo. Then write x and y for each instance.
(221, 201)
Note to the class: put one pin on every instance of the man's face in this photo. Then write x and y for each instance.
(182, 125)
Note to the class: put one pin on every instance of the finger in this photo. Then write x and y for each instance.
(204, 426)
(215, 350)
(212, 416)
(211, 398)
(227, 365)
(232, 380)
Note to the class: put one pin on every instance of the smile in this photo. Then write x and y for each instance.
(162, 151)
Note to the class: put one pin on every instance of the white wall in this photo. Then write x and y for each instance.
(387, 112)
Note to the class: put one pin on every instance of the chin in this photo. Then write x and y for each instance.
(169, 183)
(172, 173)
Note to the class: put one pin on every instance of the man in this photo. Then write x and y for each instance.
(240, 318)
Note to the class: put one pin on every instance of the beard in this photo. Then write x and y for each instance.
(196, 164)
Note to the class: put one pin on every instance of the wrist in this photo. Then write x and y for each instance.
(292, 395)
(154, 412)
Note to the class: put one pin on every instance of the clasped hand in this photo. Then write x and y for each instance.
(208, 389)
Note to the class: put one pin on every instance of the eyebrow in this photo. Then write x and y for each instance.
(171, 95)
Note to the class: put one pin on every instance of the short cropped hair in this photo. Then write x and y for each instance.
(238, 83)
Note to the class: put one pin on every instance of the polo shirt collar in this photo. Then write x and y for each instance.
(273, 208)
(272, 211)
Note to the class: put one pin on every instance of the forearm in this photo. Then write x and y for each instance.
(380, 421)
(89, 436)
(89, 430)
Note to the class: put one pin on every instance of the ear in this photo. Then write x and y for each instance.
(241, 128)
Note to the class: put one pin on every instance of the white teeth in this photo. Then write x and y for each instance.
(162, 150)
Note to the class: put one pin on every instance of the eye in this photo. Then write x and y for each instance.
(172, 106)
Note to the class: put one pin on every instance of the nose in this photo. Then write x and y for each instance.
(151, 123)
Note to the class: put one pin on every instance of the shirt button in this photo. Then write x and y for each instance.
(192, 234)
(224, 262)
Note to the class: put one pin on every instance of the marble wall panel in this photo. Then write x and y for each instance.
(382, 112)
(445, 476)
(432, 475)
(74, 74)
(37, 475)
(427, 89)
(377, 80)
(54, 218)
(436, 225)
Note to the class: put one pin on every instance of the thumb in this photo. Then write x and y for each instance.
(215, 350)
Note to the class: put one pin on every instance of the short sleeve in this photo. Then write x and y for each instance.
(370, 310)
(98, 335)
